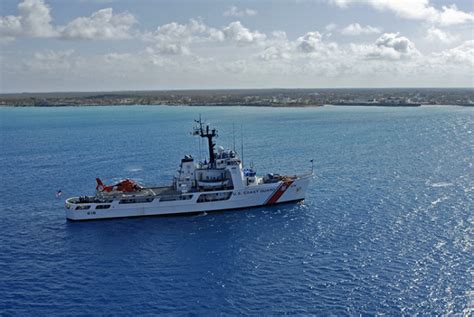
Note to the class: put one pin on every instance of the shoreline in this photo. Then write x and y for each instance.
(274, 98)
(234, 105)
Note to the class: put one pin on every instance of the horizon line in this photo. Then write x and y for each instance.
(223, 89)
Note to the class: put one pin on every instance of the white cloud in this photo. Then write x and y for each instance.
(357, 29)
(414, 9)
(310, 42)
(34, 19)
(277, 47)
(172, 49)
(101, 25)
(436, 35)
(175, 39)
(389, 46)
(233, 11)
(10, 26)
(396, 41)
(451, 15)
(275, 53)
(461, 55)
(236, 32)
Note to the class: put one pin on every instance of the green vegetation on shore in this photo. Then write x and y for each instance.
(248, 97)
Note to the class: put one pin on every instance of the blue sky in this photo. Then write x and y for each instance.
(83, 45)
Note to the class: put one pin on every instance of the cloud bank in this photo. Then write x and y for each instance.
(414, 9)
(199, 54)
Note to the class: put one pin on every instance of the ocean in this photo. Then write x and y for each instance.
(386, 227)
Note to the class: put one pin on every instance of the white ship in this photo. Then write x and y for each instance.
(222, 183)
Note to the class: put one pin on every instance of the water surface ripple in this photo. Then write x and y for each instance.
(387, 226)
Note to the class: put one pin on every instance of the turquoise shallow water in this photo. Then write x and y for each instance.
(387, 226)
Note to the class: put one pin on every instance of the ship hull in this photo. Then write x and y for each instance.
(248, 197)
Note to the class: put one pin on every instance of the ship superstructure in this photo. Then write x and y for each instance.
(220, 183)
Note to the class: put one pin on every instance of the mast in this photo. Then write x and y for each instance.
(242, 144)
(204, 132)
(233, 136)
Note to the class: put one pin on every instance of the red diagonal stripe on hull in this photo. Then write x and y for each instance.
(279, 192)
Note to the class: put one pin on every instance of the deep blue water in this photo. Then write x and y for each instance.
(387, 226)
